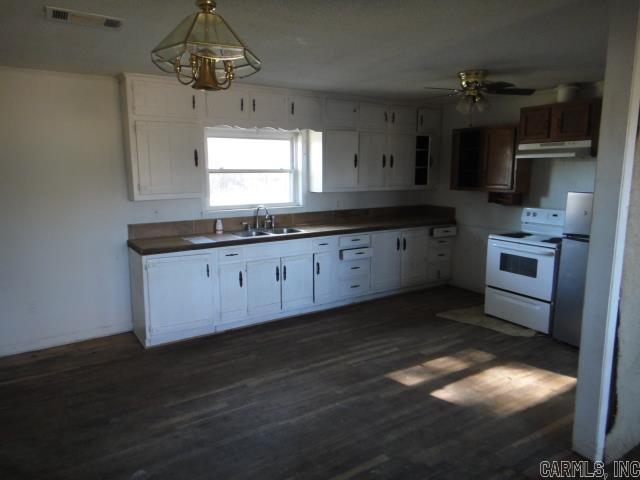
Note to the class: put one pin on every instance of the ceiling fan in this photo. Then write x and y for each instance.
(474, 87)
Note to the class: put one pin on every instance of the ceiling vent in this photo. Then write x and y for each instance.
(64, 15)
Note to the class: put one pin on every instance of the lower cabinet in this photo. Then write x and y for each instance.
(180, 293)
(263, 286)
(233, 291)
(175, 296)
(415, 244)
(386, 261)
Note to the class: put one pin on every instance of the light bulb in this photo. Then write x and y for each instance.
(464, 105)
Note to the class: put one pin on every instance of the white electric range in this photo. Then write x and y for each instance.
(522, 269)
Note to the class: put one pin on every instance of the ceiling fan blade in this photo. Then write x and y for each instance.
(512, 91)
(489, 86)
(454, 94)
(439, 88)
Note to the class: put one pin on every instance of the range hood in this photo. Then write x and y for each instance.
(572, 149)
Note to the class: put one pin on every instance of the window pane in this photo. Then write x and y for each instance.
(249, 188)
(249, 153)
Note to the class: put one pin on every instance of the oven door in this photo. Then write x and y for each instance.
(524, 269)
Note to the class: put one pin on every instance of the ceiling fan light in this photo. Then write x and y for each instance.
(481, 104)
(464, 105)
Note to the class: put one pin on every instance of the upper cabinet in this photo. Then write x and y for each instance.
(340, 113)
(429, 120)
(305, 112)
(373, 116)
(245, 107)
(484, 159)
(402, 119)
(559, 122)
(160, 99)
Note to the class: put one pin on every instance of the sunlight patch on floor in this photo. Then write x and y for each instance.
(439, 367)
(506, 389)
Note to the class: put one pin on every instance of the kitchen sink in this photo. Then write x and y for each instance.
(250, 233)
(283, 230)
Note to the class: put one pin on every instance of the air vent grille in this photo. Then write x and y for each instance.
(81, 18)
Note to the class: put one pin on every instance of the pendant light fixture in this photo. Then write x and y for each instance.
(204, 52)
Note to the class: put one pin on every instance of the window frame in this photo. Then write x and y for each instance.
(294, 136)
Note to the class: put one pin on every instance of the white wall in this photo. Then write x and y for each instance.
(477, 218)
(611, 201)
(64, 209)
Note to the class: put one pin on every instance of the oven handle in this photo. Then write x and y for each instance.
(518, 250)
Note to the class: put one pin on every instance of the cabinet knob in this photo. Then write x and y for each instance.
(240, 278)
(277, 274)
(384, 160)
(355, 160)
(404, 244)
(317, 268)
(195, 156)
(391, 161)
(284, 273)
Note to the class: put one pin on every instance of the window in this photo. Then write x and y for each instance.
(251, 167)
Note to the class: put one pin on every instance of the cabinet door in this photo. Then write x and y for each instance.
(499, 159)
(161, 99)
(373, 161)
(297, 281)
(340, 160)
(340, 113)
(373, 116)
(228, 108)
(181, 293)
(233, 291)
(535, 124)
(263, 286)
(324, 276)
(385, 263)
(467, 159)
(169, 159)
(570, 121)
(305, 112)
(269, 110)
(414, 256)
(429, 120)
(403, 119)
(402, 151)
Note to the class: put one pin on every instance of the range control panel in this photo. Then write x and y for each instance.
(543, 216)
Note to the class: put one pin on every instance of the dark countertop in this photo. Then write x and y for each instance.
(152, 246)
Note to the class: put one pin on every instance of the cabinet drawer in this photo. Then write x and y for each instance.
(231, 255)
(442, 242)
(439, 232)
(439, 255)
(354, 241)
(325, 244)
(355, 253)
(354, 268)
(354, 287)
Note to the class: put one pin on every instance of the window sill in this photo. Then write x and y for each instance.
(224, 212)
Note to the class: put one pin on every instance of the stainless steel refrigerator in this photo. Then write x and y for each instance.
(573, 268)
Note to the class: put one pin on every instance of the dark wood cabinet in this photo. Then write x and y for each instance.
(535, 124)
(560, 122)
(484, 159)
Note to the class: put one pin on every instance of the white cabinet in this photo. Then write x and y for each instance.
(373, 116)
(402, 119)
(167, 162)
(429, 120)
(340, 113)
(233, 291)
(372, 160)
(305, 112)
(297, 281)
(401, 160)
(415, 244)
(386, 260)
(229, 107)
(180, 293)
(164, 99)
(324, 275)
(333, 161)
(268, 109)
(263, 286)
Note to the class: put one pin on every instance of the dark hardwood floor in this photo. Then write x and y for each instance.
(383, 389)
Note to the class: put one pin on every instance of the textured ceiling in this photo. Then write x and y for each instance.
(391, 47)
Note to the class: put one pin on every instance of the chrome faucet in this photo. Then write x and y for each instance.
(267, 218)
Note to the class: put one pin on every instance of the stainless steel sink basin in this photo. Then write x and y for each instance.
(250, 233)
(283, 230)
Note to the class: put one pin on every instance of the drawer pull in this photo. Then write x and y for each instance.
(284, 272)
(240, 278)
(441, 254)
(355, 268)
(323, 244)
(230, 254)
(277, 274)
(317, 268)
(355, 286)
(355, 239)
(359, 253)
